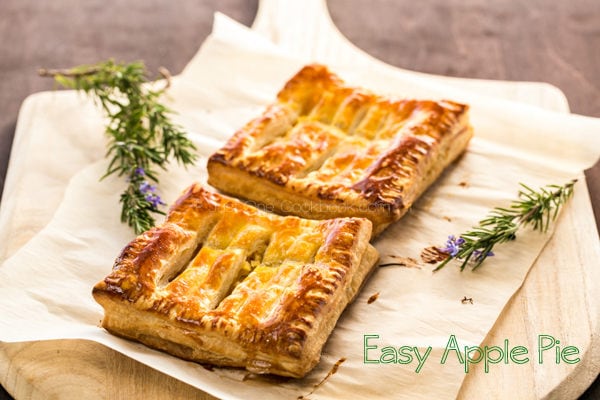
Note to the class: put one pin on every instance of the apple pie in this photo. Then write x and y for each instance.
(224, 283)
(326, 150)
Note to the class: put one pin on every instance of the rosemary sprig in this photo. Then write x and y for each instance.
(142, 138)
(534, 208)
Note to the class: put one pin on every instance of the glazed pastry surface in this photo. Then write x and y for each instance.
(224, 283)
(325, 150)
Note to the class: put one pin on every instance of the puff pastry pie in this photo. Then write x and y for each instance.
(222, 282)
(326, 150)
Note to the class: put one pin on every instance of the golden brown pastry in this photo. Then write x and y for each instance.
(326, 150)
(221, 282)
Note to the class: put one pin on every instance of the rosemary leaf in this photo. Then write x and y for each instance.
(533, 208)
(142, 138)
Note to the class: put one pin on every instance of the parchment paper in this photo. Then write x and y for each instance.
(45, 286)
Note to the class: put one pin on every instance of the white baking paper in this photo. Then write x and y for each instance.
(45, 286)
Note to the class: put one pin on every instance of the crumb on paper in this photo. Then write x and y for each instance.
(447, 218)
(373, 297)
(400, 261)
(332, 371)
(464, 184)
(433, 255)
(467, 300)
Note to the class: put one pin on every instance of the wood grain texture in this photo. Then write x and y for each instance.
(546, 296)
(502, 40)
(88, 371)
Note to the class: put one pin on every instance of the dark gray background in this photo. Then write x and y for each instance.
(539, 40)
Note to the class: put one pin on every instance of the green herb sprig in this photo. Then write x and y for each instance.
(533, 208)
(142, 137)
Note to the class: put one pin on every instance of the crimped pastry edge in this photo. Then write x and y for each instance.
(128, 315)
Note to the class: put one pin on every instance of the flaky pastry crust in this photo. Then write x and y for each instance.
(326, 150)
(224, 283)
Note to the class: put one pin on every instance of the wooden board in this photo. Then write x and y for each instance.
(555, 299)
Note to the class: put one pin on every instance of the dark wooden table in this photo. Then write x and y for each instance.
(537, 40)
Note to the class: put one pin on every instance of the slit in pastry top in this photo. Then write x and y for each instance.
(223, 282)
(345, 151)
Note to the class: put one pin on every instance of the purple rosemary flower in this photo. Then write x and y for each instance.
(452, 245)
(139, 171)
(154, 199)
(150, 196)
(145, 187)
